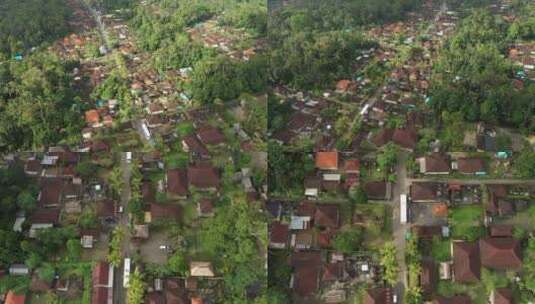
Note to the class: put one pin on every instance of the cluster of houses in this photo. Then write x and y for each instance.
(224, 39)
(497, 249)
(523, 55)
(307, 229)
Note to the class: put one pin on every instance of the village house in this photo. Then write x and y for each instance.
(306, 275)
(43, 219)
(278, 235)
(15, 298)
(205, 207)
(501, 296)
(327, 161)
(177, 183)
(102, 279)
(434, 164)
(428, 192)
(158, 212)
(327, 216)
(201, 269)
(209, 135)
(378, 190)
(378, 295)
(466, 261)
(203, 177)
(503, 253)
(470, 165)
(458, 299)
(191, 144)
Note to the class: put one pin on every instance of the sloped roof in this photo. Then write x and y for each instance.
(209, 135)
(327, 160)
(332, 271)
(436, 162)
(154, 297)
(162, 211)
(379, 295)
(406, 138)
(13, 298)
(466, 261)
(327, 215)
(100, 274)
(306, 281)
(203, 177)
(501, 253)
(45, 216)
(471, 165)
(424, 191)
(503, 296)
(279, 233)
(382, 137)
(429, 276)
(376, 189)
(459, 299)
(177, 181)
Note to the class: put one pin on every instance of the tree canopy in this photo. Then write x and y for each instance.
(25, 24)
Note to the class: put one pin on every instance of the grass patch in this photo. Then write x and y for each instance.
(475, 291)
(441, 249)
(466, 222)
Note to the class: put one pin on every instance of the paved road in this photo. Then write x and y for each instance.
(474, 181)
(400, 230)
(127, 248)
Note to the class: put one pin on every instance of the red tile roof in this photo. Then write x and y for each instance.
(466, 261)
(100, 274)
(279, 233)
(177, 182)
(327, 216)
(501, 230)
(13, 298)
(376, 190)
(332, 271)
(406, 138)
(154, 297)
(501, 253)
(471, 165)
(203, 177)
(165, 211)
(99, 295)
(352, 166)
(459, 299)
(209, 135)
(195, 146)
(424, 191)
(306, 281)
(429, 276)
(503, 296)
(45, 216)
(379, 295)
(436, 163)
(383, 137)
(327, 160)
(92, 117)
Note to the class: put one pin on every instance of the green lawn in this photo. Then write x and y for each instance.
(466, 222)
(441, 250)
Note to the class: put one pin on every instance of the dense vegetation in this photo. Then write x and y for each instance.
(37, 104)
(233, 237)
(473, 77)
(27, 23)
(313, 44)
